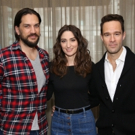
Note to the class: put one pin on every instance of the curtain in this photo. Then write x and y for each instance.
(85, 14)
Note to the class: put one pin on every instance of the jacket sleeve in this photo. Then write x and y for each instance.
(93, 93)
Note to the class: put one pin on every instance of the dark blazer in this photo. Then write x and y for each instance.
(117, 117)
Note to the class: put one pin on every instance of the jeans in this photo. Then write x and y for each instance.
(1, 133)
(34, 132)
(31, 133)
(73, 124)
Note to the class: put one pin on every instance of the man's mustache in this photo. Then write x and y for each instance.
(33, 35)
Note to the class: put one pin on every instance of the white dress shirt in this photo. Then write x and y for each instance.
(112, 77)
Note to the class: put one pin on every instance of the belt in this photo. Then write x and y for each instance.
(70, 111)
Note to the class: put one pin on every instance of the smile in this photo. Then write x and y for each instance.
(69, 50)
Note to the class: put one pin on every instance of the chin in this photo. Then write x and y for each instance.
(71, 55)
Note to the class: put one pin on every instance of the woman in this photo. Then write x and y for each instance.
(70, 76)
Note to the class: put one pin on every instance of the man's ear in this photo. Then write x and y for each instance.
(124, 35)
(101, 37)
(17, 30)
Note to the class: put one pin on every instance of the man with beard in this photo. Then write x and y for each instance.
(24, 77)
(114, 81)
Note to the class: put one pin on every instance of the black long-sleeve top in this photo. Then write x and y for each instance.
(70, 91)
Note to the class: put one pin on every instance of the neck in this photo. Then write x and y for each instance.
(31, 53)
(70, 61)
(113, 57)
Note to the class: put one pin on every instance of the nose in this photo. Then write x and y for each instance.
(112, 38)
(68, 44)
(32, 29)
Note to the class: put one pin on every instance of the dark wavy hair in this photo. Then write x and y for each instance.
(82, 59)
(112, 17)
(19, 16)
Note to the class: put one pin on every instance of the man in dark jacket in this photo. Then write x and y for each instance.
(113, 86)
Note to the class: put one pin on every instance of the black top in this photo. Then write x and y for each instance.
(70, 91)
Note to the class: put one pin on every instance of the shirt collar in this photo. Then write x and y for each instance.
(16, 46)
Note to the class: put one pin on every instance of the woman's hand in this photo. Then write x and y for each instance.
(53, 109)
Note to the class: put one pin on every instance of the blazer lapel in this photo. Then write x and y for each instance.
(102, 75)
(129, 60)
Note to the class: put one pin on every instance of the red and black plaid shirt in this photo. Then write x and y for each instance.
(19, 95)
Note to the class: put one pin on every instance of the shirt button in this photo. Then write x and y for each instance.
(113, 133)
(113, 111)
(112, 125)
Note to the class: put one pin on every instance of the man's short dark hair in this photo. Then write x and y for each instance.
(112, 17)
(19, 16)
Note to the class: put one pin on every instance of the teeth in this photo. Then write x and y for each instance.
(69, 49)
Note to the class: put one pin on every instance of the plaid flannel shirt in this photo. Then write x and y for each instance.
(19, 95)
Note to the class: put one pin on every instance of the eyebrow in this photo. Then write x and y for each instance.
(113, 32)
(30, 24)
(65, 38)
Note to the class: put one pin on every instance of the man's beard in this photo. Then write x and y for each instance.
(28, 43)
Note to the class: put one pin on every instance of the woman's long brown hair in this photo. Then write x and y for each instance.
(82, 59)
